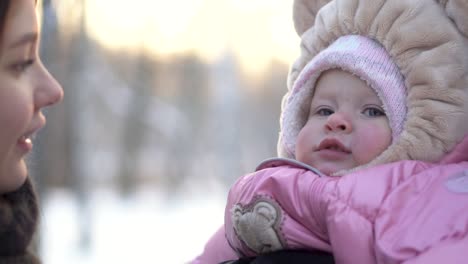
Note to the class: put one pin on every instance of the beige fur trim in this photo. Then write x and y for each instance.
(457, 10)
(307, 11)
(428, 41)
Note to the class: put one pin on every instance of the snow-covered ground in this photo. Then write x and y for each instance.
(146, 228)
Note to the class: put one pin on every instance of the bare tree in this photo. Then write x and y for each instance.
(134, 130)
(60, 154)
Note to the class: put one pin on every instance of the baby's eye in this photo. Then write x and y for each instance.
(373, 112)
(324, 112)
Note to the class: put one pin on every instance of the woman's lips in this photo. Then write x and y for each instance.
(25, 143)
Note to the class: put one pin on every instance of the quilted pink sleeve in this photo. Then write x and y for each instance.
(277, 208)
(424, 219)
(448, 252)
(216, 250)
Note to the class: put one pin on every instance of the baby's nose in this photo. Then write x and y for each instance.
(338, 122)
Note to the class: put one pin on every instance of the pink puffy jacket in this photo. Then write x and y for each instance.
(404, 212)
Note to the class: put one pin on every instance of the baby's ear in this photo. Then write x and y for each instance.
(457, 10)
(304, 12)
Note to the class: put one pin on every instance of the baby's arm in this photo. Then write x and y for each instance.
(448, 252)
(216, 250)
(277, 208)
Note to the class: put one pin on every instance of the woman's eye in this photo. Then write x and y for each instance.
(23, 65)
(324, 112)
(373, 112)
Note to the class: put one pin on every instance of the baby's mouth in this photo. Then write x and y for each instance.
(332, 144)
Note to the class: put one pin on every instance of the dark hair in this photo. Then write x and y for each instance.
(4, 6)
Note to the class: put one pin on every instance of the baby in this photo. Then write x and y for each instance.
(344, 110)
(378, 97)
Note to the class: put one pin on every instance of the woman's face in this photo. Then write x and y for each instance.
(25, 88)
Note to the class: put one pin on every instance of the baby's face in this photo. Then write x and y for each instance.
(346, 127)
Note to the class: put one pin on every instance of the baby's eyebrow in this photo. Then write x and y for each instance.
(322, 98)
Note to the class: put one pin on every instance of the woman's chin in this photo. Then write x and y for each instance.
(14, 178)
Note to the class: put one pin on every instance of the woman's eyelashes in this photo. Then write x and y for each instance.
(22, 66)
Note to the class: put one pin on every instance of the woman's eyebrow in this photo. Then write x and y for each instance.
(24, 39)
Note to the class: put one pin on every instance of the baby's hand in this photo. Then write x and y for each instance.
(256, 225)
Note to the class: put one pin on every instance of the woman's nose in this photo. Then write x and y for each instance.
(48, 90)
(338, 122)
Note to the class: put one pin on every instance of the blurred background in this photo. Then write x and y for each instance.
(166, 104)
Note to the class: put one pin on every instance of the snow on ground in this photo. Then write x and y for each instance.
(142, 229)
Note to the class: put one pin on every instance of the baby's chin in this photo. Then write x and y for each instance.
(327, 170)
(333, 170)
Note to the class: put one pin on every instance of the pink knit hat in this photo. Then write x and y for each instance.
(360, 56)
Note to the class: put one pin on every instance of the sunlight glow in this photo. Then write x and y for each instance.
(254, 31)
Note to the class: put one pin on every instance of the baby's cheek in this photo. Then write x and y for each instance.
(372, 141)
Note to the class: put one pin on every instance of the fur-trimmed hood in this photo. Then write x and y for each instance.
(427, 39)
